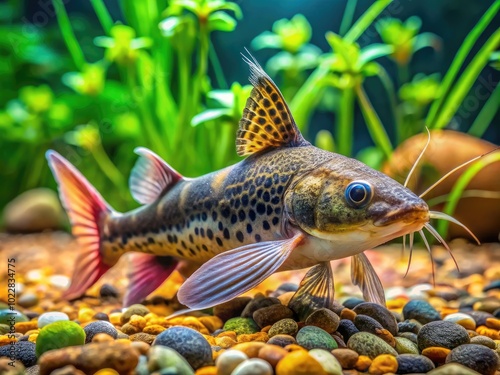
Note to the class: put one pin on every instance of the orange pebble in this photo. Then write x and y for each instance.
(251, 349)
(102, 337)
(436, 354)
(258, 336)
(383, 364)
(347, 314)
(493, 323)
(363, 363)
(207, 370)
(272, 354)
(489, 332)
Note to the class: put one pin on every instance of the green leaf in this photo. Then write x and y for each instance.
(375, 51)
(220, 21)
(267, 39)
(209, 115)
(426, 40)
(224, 97)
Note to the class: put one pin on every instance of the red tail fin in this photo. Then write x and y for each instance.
(86, 210)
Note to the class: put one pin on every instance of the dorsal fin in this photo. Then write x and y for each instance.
(151, 176)
(267, 121)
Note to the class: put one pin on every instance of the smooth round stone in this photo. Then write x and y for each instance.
(409, 326)
(347, 329)
(282, 340)
(369, 345)
(284, 327)
(108, 291)
(227, 361)
(28, 300)
(187, 342)
(462, 319)
(241, 326)
(405, 346)
(299, 362)
(484, 340)
(258, 302)
(327, 361)
(4, 329)
(413, 364)
(491, 286)
(420, 310)
(477, 357)
(7, 316)
(480, 317)
(346, 357)
(59, 335)
(380, 314)
(311, 337)
(324, 319)
(352, 302)
(272, 354)
(51, 317)
(436, 354)
(383, 364)
(271, 314)
(442, 333)
(366, 323)
(136, 309)
(59, 281)
(160, 357)
(24, 352)
(453, 369)
(97, 327)
(7, 367)
(253, 366)
(232, 308)
(487, 304)
(409, 335)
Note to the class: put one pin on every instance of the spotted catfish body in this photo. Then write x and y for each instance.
(288, 205)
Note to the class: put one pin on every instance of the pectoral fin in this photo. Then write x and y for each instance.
(234, 272)
(316, 291)
(364, 276)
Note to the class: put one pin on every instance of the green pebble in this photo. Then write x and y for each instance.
(163, 358)
(4, 329)
(59, 335)
(365, 343)
(312, 337)
(405, 346)
(241, 325)
(7, 315)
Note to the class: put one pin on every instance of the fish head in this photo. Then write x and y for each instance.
(354, 206)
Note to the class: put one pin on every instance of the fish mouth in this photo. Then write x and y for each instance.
(415, 216)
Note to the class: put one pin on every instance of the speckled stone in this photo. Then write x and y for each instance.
(347, 329)
(324, 319)
(284, 327)
(258, 302)
(187, 342)
(327, 361)
(477, 357)
(160, 357)
(442, 333)
(346, 357)
(420, 310)
(144, 337)
(405, 346)
(241, 325)
(311, 337)
(299, 362)
(232, 308)
(24, 352)
(271, 314)
(136, 309)
(483, 340)
(413, 364)
(369, 345)
(380, 314)
(99, 326)
(411, 325)
(453, 369)
(366, 323)
(282, 340)
(253, 366)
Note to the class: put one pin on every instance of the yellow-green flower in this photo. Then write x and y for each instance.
(90, 81)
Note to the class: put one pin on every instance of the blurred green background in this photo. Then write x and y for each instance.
(94, 79)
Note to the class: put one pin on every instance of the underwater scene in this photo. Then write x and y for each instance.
(219, 187)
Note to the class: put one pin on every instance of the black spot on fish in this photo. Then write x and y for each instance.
(258, 238)
(269, 210)
(241, 215)
(266, 196)
(202, 232)
(191, 239)
(259, 180)
(226, 211)
(226, 234)
(163, 227)
(251, 215)
(269, 128)
(268, 183)
(261, 208)
(289, 127)
(210, 234)
(237, 203)
(284, 178)
(204, 247)
(196, 231)
(253, 202)
(261, 112)
(272, 112)
(259, 193)
(208, 205)
(192, 251)
(219, 241)
(183, 244)
(251, 191)
(124, 239)
(178, 227)
(221, 226)
(280, 189)
(275, 200)
(204, 216)
(214, 215)
(249, 228)
(273, 190)
(180, 252)
(151, 240)
(266, 102)
(244, 200)
(274, 97)
(234, 219)
(266, 225)
(276, 220)
(239, 236)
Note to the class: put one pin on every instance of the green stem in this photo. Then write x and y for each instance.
(458, 60)
(219, 73)
(375, 127)
(103, 15)
(403, 74)
(391, 93)
(485, 116)
(466, 80)
(461, 184)
(108, 168)
(347, 16)
(345, 122)
(366, 20)
(68, 35)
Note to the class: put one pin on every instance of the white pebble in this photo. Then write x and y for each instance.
(228, 361)
(464, 320)
(59, 281)
(419, 291)
(329, 363)
(254, 366)
(51, 317)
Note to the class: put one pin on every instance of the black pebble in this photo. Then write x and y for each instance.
(477, 357)
(414, 364)
(108, 291)
(352, 302)
(99, 326)
(24, 352)
(442, 333)
(347, 329)
(421, 310)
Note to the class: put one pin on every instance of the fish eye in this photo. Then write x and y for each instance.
(358, 194)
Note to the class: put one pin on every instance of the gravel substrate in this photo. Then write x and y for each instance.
(450, 328)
